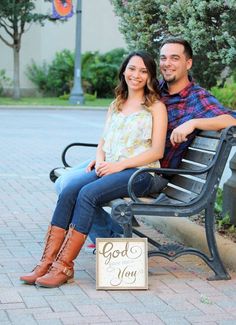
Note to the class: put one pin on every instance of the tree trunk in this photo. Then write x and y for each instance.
(16, 76)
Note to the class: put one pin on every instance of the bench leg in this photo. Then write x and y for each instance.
(215, 262)
(127, 230)
(122, 213)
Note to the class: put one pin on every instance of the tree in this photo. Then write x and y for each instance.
(15, 18)
(211, 28)
(209, 25)
(141, 23)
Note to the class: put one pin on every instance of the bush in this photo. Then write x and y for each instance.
(61, 72)
(87, 97)
(234, 74)
(90, 97)
(99, 73)
(226, 95)
(4, 81)
(102, 78)
(55, 78)
(39, 76)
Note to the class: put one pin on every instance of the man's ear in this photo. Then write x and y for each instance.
(189, 64)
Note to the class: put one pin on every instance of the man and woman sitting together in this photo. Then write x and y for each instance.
(149, 124)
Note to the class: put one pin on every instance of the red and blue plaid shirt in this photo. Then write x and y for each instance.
(190, 103)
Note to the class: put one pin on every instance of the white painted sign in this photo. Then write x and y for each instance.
(121, 263)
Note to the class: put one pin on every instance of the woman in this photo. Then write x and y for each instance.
(134, 136)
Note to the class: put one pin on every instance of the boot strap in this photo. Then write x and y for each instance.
(62, 268)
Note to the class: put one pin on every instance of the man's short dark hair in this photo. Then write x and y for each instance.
(177, 40)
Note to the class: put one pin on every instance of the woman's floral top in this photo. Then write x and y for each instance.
(126, 136)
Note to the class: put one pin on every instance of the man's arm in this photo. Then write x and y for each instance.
(216, 123)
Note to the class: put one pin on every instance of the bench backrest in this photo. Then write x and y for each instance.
(207, 149)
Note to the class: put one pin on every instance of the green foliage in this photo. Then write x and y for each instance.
(87, 97)
(226, 95)
(205, 300)
(141, 23)
(15, 20)
(209, 25)
(234, 74)
(222, 222)
(16, 14)
(102, 78)
(219, 202)
(65, 96)
(4, 81)
(99, 73)
(90, 97)
(55, 78)
(52, 101)
(38, 75)
(60, 72)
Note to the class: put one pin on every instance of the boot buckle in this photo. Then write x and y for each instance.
(67, 272)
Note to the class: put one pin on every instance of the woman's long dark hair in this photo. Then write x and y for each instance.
(151, 90)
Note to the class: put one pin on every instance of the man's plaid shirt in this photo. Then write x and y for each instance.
(190, 103)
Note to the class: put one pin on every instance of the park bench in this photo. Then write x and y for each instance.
(191, 189)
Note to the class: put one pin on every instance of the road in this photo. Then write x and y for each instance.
(32, 140)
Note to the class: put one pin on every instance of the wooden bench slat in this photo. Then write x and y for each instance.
(210, 134)
(199, 156)
(179, 195)
(205, 143)
(193, 185)
(188, 165)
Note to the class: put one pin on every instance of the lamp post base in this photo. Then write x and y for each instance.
(76, 99)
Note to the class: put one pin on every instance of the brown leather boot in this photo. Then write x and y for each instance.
(53, 241)
(62, 269)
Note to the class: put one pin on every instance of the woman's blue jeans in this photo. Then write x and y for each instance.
(103, 226)
(81, 200)
(75, 172)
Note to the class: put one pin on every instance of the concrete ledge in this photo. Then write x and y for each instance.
(191, 234)
(52, 107)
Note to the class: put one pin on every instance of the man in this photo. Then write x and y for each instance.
(190, 109)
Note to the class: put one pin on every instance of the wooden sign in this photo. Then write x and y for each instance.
(121, 263)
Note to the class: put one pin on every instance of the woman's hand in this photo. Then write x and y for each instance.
(105, 168)
(90, 166)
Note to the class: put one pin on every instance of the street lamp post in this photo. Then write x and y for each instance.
(76, 95)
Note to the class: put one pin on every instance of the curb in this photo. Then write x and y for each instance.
(191, 234)
(53, 107)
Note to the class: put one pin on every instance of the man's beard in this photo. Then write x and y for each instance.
(170, 80)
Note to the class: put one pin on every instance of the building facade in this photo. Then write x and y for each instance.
(99, 33)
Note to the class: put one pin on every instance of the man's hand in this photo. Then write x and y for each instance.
(90, 166)
(105, 168)
(180, 133)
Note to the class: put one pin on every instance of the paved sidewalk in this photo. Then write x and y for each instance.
(179, 294)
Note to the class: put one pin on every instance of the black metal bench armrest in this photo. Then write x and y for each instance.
(75, 144)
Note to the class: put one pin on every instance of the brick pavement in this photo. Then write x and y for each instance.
(178, 291)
